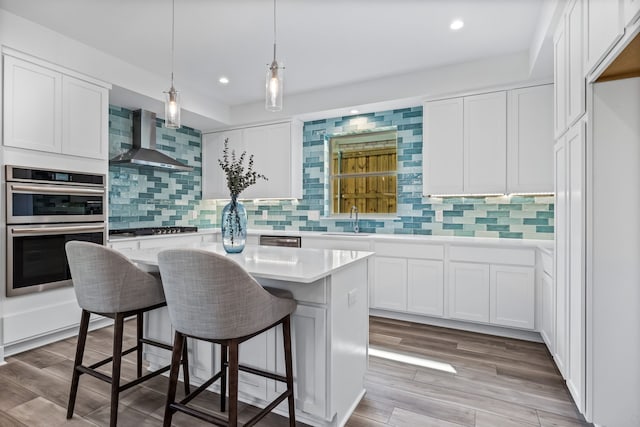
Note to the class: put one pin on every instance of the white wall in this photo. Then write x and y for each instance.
(614, 236)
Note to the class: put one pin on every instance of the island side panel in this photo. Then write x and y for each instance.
(349, 325)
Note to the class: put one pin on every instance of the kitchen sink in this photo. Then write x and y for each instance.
(344, 233)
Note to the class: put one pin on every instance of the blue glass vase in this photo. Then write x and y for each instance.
(234, 226)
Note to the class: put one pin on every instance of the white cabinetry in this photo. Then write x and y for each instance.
(408, 278)
(277, 150)
(492, 285)
(389, 283)
(530, 140)
(469, 291)
(485, 143)
(547, 300)
(574, 67)
(560, 78)
(48, 110)
(443, 167)
(425, 290)
(570, 258)
(512, 293)
(604, 19)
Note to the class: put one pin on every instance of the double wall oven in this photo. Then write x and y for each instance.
(45, 210)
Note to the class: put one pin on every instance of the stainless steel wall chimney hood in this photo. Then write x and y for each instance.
(143, 152)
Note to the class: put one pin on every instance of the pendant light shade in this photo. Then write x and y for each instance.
(172, 97)
(274, 85)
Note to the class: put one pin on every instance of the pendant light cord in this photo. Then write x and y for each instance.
(274, 30)
(173, 27)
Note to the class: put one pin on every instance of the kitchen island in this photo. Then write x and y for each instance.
(329, 329)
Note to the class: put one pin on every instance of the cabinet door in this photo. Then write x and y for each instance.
(425, 287)
(631, 11)
(254, 353)
(530, 142)
(442, 163)
(560, 78)
(604, 29)
(271, 148)
(32, 106)
(513, 296)
(575, 61)
(309, 347)
(576, 263)
(390, 283)
(469, 291)
(85, 119)
(547, 324)
(485, 143)
(214, 181)
(561, 251)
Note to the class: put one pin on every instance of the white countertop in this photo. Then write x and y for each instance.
(375, 237)
(288, 264)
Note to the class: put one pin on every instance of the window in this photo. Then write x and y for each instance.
(363, 172)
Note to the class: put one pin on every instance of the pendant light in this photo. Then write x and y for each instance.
(274, 83)
(172, 96)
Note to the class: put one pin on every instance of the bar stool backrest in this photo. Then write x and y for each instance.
(105, 281)
(212, 297)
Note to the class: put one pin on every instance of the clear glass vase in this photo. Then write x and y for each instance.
(234, 226)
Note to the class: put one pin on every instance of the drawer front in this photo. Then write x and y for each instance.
(402, 250)
(505, 256)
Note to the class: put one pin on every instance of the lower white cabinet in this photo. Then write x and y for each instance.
(425, 290)
(512, 291)
(469, 291)
(390, 283)
(547, 321)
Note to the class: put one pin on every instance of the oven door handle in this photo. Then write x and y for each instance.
(63, 229)
(55, 190)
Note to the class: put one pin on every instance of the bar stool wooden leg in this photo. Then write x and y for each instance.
(185, 367)
(82, 340)
(288, 363)
(139, 336)
(117, 363)
(223, 379)
(233, 383)
(178, 342)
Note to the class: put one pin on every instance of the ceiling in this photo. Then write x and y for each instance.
(322, 43)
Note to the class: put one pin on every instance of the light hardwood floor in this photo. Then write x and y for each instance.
(497, 382)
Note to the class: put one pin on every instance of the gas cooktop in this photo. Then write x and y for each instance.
(151, 231)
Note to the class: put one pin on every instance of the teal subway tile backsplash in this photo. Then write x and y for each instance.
(147, 197)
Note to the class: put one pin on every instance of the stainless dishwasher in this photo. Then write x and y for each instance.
(288, 241)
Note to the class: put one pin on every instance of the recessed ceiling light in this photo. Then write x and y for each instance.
(223, 80)
(354, 111)
(456, 24)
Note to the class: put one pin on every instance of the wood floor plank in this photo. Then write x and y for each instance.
(41, 412)
(357, 420)
(486, 419)
(7, 420)
(374, 410)
(404, 418)
(548, 419)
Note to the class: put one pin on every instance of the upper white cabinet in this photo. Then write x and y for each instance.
(485, 143)
(277, 150)
(494, 143)
(604, 19)
(530, 140)
(574, 68)
(560, 78)
(46, 109)
(443, 167)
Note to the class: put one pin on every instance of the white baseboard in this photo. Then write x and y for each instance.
(457, 324)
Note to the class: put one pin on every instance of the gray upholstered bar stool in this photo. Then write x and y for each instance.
(107, 283)
(212, 298)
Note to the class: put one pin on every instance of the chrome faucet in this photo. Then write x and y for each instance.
(354, 224)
